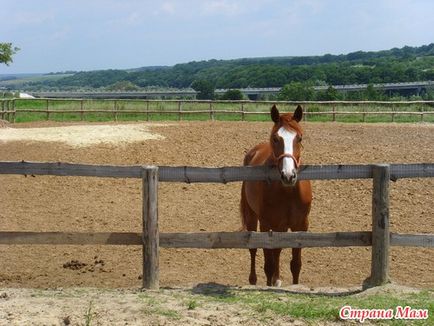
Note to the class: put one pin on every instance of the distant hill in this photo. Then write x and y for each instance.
(19, 81)
(396, 65)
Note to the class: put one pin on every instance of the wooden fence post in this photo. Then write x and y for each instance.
(81, 110)
(115, 113)
(380, 226)
(151, 240)
(179, 110)
(4, 103)
(9, 110)
(211, 112)
(48, 112)
(14, 114)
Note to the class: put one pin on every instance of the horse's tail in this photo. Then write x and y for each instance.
(248, 217)
(243, 208)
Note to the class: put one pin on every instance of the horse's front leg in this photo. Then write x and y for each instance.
(269, 265)
(296, 264)
(296, 252)
(276, 275)
(252, 277)
(252, 225)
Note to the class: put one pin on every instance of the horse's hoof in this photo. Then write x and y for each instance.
(278, 283)
(253, 280)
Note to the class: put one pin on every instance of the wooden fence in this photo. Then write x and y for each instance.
(7, 110)
(238, 109)
(380, 238)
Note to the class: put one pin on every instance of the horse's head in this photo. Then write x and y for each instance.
(285, 140)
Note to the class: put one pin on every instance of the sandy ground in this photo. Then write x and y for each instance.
(44, 203)
(175, 306)
(81, 136)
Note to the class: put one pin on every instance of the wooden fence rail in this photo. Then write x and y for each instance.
(114, 109)
(214, 175)
(380, 238)
(217, 240)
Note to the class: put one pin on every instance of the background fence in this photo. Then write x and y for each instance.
(380, 238)
(118, 110)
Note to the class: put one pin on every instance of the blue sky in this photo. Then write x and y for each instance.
(96, 34)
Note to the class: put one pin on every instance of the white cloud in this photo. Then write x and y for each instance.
(220, 7)
(168, 7)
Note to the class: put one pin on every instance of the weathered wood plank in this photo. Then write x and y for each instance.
(417, 170)
(215, 175)
(151, 244)
(205, 240)
(69, 238)
(249, 240)
(412, 240)
(70, 169)
(213, 240)
(380, 226)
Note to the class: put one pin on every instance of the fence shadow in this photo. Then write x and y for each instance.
(225, 291)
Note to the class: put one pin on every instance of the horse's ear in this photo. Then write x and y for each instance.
(275, 116)
(298, 113)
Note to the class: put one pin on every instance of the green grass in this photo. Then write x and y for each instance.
(163, 107)
(88, 316)
(153, 306)
(192, 304)
(315, 308)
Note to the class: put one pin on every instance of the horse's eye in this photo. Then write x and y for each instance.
(300, 138)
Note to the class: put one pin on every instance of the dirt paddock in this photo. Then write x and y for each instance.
(75, 204)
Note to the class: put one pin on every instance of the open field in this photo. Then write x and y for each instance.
(76, 204)
(174, 110)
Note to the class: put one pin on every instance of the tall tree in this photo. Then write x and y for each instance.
(6, 53)
(204, 89)
(297, 91)
(232, 94)
(330, 94)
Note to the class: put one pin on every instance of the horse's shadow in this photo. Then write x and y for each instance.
(214, 290)
(224, 291)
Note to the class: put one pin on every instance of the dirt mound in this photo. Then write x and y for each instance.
(76, 265)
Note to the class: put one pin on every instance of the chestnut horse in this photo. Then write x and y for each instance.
(277, 205)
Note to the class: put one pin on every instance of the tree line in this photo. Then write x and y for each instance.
(405, 64)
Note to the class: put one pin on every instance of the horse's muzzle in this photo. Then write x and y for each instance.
(288, 180)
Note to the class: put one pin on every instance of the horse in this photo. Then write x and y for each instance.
(277, 205)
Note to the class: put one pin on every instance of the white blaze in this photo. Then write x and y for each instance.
(288, 166)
